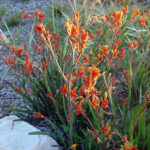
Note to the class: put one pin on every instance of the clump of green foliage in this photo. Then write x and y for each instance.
(2, 11)
(14, 20)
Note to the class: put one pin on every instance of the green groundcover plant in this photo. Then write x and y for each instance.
(91, 85)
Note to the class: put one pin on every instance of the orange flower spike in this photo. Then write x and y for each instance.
(135, 44)
(94, 72)
(100, 58)
(76, 105)
(104, 103)
(79, 110)
(25, 15)
(41, 16)
(135, 13)
(80, 72)
(118, 17)
(128, 79)
(19, 51)
(87, 59)
(75, 31)
(125, 10)
(73, 92)
(124, 139)
(68, 26)
(17, 90)
(49, 95)
(28, 90)
(92, 36)
(76, 17)
(105, 127)
(44, 63)
(124, 101)
(39, 115)
(39, 28)
(99, 31)
(74, 146)
(37, 13)
(94, 101)
(64, 89)
(67, 57)
(84, 36)
(105, 49)
(82, 91)
(113, 81)
(142, 21)
(69, 117)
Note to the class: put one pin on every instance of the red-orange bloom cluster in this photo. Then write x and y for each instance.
(79, 110)
(124, 101)
(106, 129)
(64, 89)
(74, 146)
(44, 63)
(17, 90)
(125, 10)
(142, 20)
(38, 115)
(117, 18)
(95, 101)
(25, 15)
(133, 45)
(39, 15)
(49, 95)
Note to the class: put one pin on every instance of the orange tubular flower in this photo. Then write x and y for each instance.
(118, 18)
(64, 90)
(44, 63)
(68, 26)
(93, 132)
(124, 139)
(17, 90)
(76, 17)
(38, 115)
(99, 31)
(82, 91)
(74, 146)
(104, 103)
(92, 35)
(25, 15)
(87, 59)
(28, 90)
(125, 10)
(49, 95)
(94, 101)
(84, 36)
(73, 92)
(142, 20)
(75, 31)
(41, 16)
(94, 72)
(39, 28)
(19, 51)
(105, 127)
(36, 13)
(79, 110)
(69, 116)
(124, 101)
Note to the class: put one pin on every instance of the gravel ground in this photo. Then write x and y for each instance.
(8, 98)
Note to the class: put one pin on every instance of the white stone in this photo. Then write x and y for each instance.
(16, 137)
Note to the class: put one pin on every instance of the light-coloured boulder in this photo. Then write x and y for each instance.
(14, 136)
